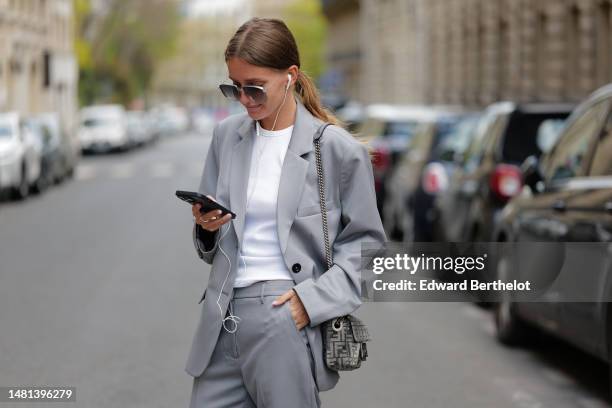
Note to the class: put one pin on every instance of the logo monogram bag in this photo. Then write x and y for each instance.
(344, 337)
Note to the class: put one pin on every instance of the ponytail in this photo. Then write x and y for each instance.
(309, 95)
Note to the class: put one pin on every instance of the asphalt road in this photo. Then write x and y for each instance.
(99, 285)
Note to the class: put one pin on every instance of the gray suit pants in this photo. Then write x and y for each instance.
(265, 363)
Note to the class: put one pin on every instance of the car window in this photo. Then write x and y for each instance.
(602, 159)
(494, 133)
(548, 134)
(568, 157)
(459, 139)
(475, 151)
(400, 128)
(6, 130)
(521, 136)
(99, 121)
(422, 139)
(445, 130)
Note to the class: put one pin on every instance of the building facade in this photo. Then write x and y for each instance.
(38, 70)
(343, 52)
(191, 78)
(475, 52)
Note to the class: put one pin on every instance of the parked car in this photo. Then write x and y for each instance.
(388, 130)
(139, 129)
(567, 198)
(50, 159)
(490, 175)
(169, 120)
(69, 146)
(104, 128)
(419, 175)
(452, 152)
(20, 155)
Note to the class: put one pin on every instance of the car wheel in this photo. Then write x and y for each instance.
(59, 176)
(510, 329)
(40, 185)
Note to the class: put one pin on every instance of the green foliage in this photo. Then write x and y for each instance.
(82, 9)
(118, 51)
(305, 20)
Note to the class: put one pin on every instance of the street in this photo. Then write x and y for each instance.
(99, 285)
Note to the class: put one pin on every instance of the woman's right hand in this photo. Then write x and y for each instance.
(210, 221)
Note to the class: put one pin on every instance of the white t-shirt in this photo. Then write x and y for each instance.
(260, 257)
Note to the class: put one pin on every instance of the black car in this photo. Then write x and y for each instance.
(388, 131)
(567, 204)
(490, 175)
(419, 175)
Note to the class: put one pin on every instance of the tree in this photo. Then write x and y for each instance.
(305, 20)
(123, 46)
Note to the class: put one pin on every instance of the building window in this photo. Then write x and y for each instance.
(572, 52)
(15, 66)
(504, 60)
(46, 69)
(541, 56)
(480, 55)
(604, 65)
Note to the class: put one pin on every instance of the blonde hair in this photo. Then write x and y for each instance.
(268, 42)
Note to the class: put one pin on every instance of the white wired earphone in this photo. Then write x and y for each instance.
(233, 318)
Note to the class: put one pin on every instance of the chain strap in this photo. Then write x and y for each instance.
(321, 179)
(347, 331)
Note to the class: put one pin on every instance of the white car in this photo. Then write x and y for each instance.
(104, 128)
(20, 155)
(170, 120)
(139, 128)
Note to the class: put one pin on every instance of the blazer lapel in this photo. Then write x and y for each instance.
(294, 171)
(241, 164)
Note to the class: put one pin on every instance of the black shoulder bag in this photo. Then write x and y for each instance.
(344, 337)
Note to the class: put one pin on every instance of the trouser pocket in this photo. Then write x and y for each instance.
(302, 337)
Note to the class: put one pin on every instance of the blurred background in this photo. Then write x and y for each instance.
(488, 121)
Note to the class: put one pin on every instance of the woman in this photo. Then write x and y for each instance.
(258, 341)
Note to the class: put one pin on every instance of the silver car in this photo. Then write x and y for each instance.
(20, 155)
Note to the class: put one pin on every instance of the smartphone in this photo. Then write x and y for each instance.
(193, 197)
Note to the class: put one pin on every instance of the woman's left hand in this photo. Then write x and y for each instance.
(298, 312)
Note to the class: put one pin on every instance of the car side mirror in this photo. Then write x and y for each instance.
(532, 176)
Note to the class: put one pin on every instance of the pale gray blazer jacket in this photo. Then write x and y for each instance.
(352, 216)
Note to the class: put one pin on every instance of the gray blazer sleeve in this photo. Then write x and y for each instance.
(337, 291)
(206, 242)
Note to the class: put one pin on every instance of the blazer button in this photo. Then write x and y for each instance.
(296, 267)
